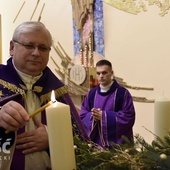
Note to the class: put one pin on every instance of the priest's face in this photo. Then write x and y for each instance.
(30, 52)
(104, 75)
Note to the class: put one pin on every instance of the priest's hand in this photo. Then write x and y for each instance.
(13, 116)
(33, 141)
(97, 114)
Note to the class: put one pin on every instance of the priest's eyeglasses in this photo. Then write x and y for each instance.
(41, 48)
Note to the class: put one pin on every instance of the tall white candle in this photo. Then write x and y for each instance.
(162, 117)
(60, 137)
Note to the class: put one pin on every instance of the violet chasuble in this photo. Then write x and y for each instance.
(118, 115)
(13, 88)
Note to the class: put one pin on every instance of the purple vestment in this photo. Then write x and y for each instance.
(118, 115)
(13, 88)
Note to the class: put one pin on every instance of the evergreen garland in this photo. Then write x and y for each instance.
(136, 155)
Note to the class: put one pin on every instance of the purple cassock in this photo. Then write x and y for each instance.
(13, 88)
(118, 115)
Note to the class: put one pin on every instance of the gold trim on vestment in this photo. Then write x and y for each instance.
(37, 89)
(58, 93)
(12, 88)
(43, 98)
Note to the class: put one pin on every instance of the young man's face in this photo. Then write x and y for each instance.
(104, 75)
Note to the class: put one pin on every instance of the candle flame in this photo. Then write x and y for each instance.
(53, 96)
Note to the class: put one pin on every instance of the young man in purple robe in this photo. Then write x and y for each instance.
(26, 84)
(107, 111)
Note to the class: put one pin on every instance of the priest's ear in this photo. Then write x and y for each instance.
(11, 48)
(113, 76)
(112, 72)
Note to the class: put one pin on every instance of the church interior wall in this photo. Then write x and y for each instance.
(137, 45)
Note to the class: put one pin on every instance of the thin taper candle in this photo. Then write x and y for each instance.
(36, 112)
(41, 109)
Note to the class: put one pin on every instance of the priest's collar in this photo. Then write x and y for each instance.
(105, 88)
(27, 79)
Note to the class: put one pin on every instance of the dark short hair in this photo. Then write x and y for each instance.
(104, 62)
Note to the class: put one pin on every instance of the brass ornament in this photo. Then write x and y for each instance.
(137, 6)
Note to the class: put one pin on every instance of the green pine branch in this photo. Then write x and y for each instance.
(132, 155)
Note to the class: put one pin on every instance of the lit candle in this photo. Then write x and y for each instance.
(60, 136)
(162, 117)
